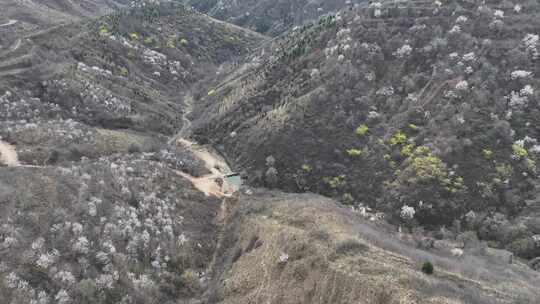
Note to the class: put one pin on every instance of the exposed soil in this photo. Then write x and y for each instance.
(8, 155)
(213, 184)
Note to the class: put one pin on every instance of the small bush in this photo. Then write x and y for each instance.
(354, 152)
(54, 156)
(427, 268)
(362, 130)
(134, 148)
(190, 281)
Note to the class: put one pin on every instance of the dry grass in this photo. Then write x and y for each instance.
(336, 239)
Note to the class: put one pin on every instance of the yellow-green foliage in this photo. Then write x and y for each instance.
(504, 170)
(413, 127)
(519, 151)
(104, 30)
(425, 167)
(230, 39)
(335, 182)
(148, 40)
(124, 72)
(190, 279)
(531, 164)
(398, 138)
(307, 168)
(487, 153)
(428, 166)
(354, 152)
(171, 42)
(407, 150)
(362, 130)
(347, 199)
(134, 36)
(211, 92)
(184, 41)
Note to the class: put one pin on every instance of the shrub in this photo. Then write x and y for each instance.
(124, 72)
(413, 127)
(354, 152)
(134, 36)
(398, 138)
(103, 30)
(336, 181)
(190, 280)
(519, 151)
(134, 148)
(407, 150)
(307, 168)
(54, 156)
(362, 130)
(428, 268)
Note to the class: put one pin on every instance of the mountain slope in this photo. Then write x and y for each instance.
(427, 111)
(94, 209)
(123, 71)
(19, 17)
(289, 248)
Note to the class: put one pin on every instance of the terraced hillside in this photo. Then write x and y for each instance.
(21, 17)
(426, 111)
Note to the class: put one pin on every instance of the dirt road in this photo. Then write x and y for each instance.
(215, 183)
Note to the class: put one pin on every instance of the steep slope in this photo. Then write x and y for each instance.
(121, 229)
(427, 111)
(43, 13)
(288, 248)
(269, 17)
(94, 208)
(65, 88)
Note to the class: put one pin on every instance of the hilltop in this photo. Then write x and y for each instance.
(426, 111)
(269, 16)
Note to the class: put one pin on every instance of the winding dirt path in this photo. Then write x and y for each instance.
(8, 155)
(215, 183)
